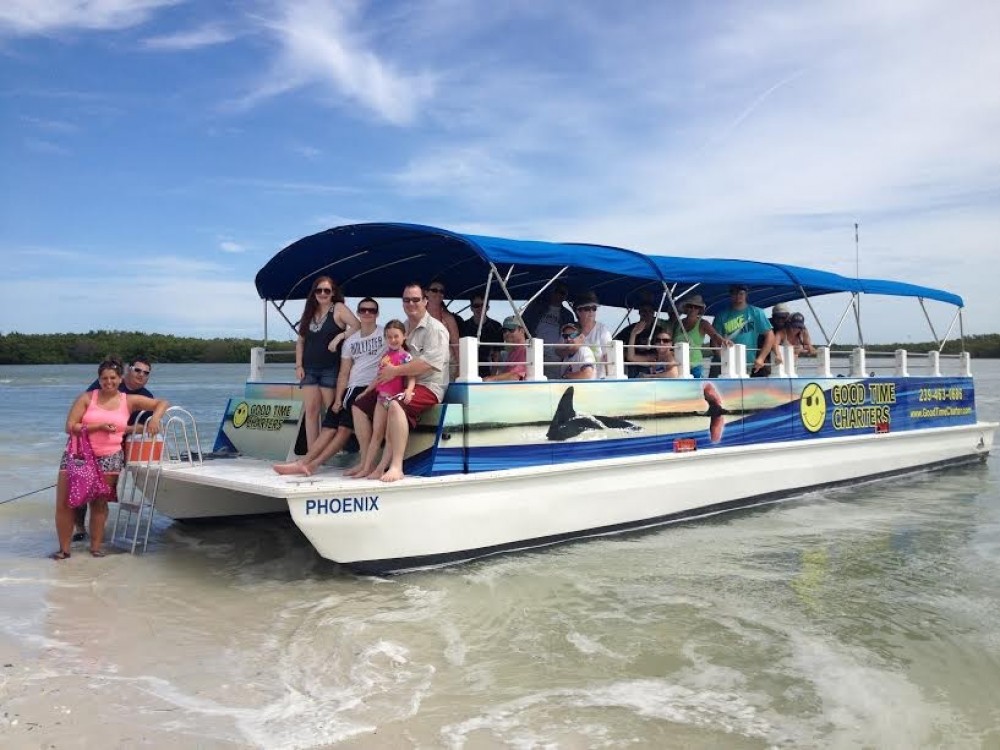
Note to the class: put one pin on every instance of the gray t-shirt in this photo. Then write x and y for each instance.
(364, 353)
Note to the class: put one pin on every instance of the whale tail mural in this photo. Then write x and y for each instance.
(568, 423)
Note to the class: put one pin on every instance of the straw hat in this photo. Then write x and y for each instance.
(694, 300)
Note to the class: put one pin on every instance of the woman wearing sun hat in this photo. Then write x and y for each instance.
(779, 318)
(693, 329)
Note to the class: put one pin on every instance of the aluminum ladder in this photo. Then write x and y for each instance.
(145, 455)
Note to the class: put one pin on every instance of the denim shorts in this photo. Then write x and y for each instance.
(324, 377)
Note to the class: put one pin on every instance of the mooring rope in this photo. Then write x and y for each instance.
(18, 497)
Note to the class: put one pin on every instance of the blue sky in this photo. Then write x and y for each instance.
(157, 152)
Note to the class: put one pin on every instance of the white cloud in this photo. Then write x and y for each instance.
(228, 246)
(470, 170)
(206, 36)
(307, 152)
(35, 17)
(766, 134)
(52, 126)
(41, 146)
(282, 186)
(319, 45)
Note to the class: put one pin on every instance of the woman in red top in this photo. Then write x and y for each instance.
(105, 414)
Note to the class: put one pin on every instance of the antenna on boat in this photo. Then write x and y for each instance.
(857, 277)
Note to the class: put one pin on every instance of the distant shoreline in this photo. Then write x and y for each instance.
(92, 347)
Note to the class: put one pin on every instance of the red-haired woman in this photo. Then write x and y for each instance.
(326, 322)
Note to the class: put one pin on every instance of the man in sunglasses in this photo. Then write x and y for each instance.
(578, 359)
(134, 381)
(428, 342)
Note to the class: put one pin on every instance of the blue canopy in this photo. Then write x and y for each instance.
(378, 260)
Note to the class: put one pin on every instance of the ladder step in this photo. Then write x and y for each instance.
(147, 454)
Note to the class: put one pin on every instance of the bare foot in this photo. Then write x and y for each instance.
(359, 472)
(392, 475)
(308, 470)
(293, 467)
(375, 473)
(355, 470)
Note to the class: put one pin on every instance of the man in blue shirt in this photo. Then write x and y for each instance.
(745, 324)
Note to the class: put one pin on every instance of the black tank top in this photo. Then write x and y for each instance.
(315, 353)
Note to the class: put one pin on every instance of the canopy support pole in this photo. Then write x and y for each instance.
(929, 323)
(813, 311)
(951, 326)
(486, 300)
(536, 295)
(503, 288)
(961, 328)
(857, 320)
(850, 304)
(265, 324)
(665, 297)
(282, 314)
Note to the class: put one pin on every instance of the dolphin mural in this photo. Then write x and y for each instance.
(569, 423)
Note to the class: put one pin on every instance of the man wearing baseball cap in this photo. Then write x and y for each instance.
(742, 323)
(513, 359)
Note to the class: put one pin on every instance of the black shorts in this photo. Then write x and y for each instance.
(345, 417)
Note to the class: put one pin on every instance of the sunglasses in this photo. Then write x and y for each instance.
(140, 371)
(587, 308)
(476, 305)
(436, 289)
(412, 300)
(367, 311)
(570, 336)
(323, 290)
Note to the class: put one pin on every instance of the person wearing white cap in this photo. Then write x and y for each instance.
(693, 329)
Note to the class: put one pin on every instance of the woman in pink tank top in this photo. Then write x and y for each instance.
(105, 414)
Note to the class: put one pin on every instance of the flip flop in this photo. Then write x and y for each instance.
(98, 553)
(60, 555)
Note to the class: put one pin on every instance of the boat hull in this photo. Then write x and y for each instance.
(420, 522)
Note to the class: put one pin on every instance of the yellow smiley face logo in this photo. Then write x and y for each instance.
(812, 407)
(241, 414)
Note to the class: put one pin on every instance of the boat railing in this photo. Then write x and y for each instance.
(265, 364)
(859, 362)
(827, 363)
(646, 348)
